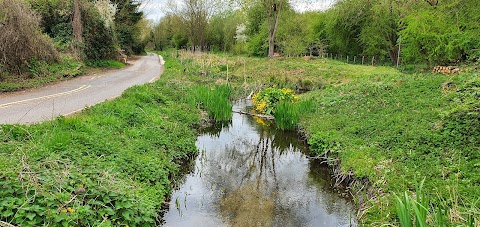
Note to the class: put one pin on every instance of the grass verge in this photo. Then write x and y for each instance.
(113, 164)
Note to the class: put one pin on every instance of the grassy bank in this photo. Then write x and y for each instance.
(383, 130)
(111, 165)
(40, 73)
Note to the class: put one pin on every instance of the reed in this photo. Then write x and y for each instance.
(286, 115)
(215, 101)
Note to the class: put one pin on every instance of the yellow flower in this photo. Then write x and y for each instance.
(64, 211)
(70, 210)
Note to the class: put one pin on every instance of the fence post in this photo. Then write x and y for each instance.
(354, 59)
(227, 71)
(373, 60)
(347, 59)
(244, 73)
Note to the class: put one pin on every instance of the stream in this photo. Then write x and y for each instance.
(250, 174)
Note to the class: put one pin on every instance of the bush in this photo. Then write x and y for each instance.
(264, 102)
(21, 39)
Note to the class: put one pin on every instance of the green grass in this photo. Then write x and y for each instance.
(111, 64)
(384, 126)
(214, 100)
(112, 163)
(286, 115)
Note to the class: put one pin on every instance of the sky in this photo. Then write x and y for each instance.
(154, 9)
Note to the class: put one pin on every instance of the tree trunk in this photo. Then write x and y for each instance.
(273, 12)
(77, 27)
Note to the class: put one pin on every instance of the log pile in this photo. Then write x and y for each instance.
(446, 69)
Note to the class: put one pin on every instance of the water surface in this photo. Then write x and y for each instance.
(249, 174)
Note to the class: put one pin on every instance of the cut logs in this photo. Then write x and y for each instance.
(446, 69)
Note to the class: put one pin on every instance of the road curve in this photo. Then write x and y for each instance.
(74, 95)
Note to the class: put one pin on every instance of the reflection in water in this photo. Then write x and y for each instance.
(249, 174)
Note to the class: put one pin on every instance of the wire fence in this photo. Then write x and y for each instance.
(358, 59)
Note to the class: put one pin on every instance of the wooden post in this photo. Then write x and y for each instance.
(373, 60)
(244, 72)
(354, 59)
(347, 59)
(363, 60)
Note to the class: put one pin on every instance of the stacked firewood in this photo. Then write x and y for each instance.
(446, 69)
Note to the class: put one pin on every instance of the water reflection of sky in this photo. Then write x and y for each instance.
(250, 175)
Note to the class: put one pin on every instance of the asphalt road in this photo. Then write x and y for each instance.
(74, 95)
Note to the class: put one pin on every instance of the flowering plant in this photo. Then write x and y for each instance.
(264, 101)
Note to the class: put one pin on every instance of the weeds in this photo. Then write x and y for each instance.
(215, 101)
(112, 64)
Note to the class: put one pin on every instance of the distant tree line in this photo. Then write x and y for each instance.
(44, 30)
(425, 31)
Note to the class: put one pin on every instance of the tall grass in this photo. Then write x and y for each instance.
(287, 114)
(417, 211)
(215, 101)
(418, 206)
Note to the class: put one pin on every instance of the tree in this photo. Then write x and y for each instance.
(195, 14)
(77, 27)
(126, 19)
(273, 9)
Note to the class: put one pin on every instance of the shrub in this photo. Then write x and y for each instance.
(264, 102)
(21, 39)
